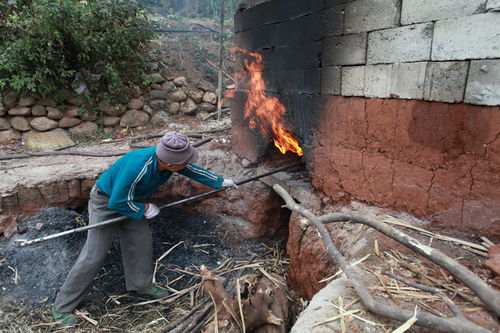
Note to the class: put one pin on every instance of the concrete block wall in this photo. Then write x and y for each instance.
(433, 48)
(395, 102)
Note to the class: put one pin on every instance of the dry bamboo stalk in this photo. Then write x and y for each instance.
(238, 292)
(358, 317)
(393, 220)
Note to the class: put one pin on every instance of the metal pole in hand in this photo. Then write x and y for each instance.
(121, 218)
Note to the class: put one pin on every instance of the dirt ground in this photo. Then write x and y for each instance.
(31, 276)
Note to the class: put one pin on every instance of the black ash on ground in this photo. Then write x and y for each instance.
(31, 276)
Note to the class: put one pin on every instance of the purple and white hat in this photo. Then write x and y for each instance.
(174, 148)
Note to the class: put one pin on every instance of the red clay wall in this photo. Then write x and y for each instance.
(439, 161)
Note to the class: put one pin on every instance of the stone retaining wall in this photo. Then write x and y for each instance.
(25, 114)
(395, 102)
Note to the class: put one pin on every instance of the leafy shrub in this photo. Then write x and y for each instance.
(46, 42)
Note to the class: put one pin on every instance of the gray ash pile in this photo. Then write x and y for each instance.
(31, 276)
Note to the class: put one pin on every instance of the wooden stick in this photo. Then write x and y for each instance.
(452, 325)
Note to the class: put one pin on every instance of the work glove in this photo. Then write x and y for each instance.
(151, 211)
(229, 183)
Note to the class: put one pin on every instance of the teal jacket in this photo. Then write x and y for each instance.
(135, 177)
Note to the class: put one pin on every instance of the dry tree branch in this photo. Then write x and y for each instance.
(454, 325)
(488, 295)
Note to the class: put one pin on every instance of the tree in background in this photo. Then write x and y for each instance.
(45, 43)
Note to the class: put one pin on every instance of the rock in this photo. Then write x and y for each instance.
(493, 262)
(38, 110)
(10, 99)
(203, 115)
(47, 102)
(153, 66)
(205, 86)
(134, 118)
(320, 309)
(168, 86)
(20, 112)
(108, 109)
(75, 100)
(178, 96)
(109, 130)
(210, 97)
(156, 78)
(43, 124)
(88, 116)
(174, 108)
(67, 122)
(9, 135)
(135, 104)
(160, 118)
(111, 121)
(246, 163)
(54, 113)
(196, 95)
(135, 91)
(180, 81)
(189, 107)
(26, 101)
(149, 110)
(158, 94)
(158, 104)
(3, 111)
(84, 129)
(8, 223)
(4, 124)
(154, 86)
(207, 107)
(20, 124)
(72, 111)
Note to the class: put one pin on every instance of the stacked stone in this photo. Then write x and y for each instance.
(155, 105)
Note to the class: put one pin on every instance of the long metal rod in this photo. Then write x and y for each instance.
(121, 218)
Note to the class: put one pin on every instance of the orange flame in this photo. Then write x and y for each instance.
(265, 113)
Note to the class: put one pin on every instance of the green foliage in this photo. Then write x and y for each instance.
(201, 56)
(48, 41)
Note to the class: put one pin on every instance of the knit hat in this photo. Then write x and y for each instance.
(174, 148)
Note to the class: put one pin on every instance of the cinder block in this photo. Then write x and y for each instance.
(404, 44)
(445, 81)
(408, 80)
(330, 80)
(378, 81)
(353, 81)
(330, 3)
(312, 81)
(416, 11)
(273, 11)
(469, 37)
(313, 27)
(367, 15)
(294, 57)
(304, 7)
(264, 13)
(483, 84)
(344, 50)
(292, 81)
(493, 5)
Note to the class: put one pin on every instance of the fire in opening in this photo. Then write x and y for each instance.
(263, 112)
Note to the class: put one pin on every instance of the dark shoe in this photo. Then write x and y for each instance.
(154, 292)
(68, 319)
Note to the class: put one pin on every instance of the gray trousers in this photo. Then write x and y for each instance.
(136, 247)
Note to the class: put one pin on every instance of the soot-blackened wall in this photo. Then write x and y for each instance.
(395, 102)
